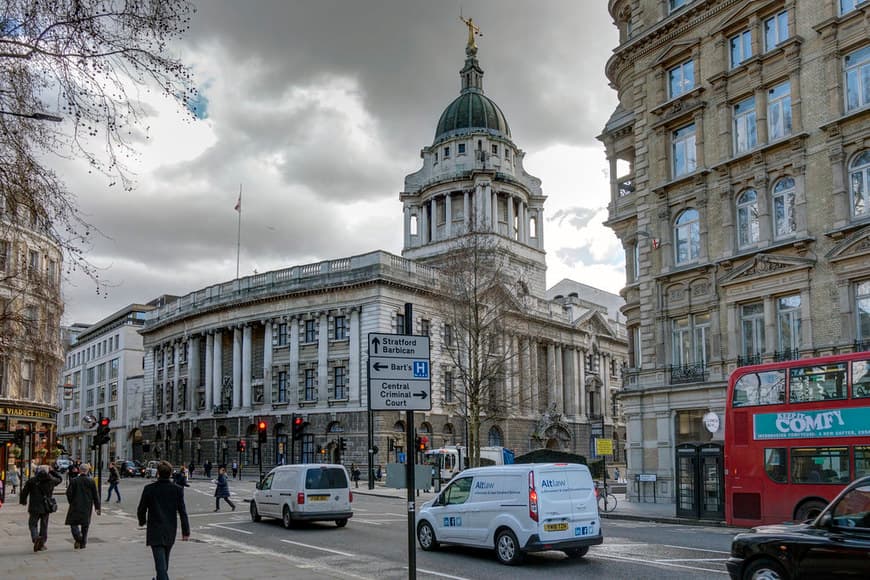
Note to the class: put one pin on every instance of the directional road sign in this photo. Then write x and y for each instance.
(399, 372)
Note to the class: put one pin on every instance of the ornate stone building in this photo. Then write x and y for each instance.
(740, 157)
(294, 341)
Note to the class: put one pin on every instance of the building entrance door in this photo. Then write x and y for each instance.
(700, 481)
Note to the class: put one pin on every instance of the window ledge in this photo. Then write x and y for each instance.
(283, 405)
(660, 189)
(794, 138)
(834, 124)
(332, 401)
(798, 242)
(308, 403)
(681, 103)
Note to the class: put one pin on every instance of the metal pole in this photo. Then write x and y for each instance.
(371, 434)
(410, 452)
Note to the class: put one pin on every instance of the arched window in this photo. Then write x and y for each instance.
(783, 208)
(495, 438)
(747, 218)
(859, 177)
(687, 237)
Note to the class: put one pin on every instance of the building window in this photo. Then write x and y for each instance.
(634, 347)
(339, 375)
(27, 379)
(308, 448)
(747, 219)
(691, 340)
(447, 153)
(862, 309)
(788, 323)
(282, 386)
(425, 326)
(783, 208)
(113, 368)
(448, 335)
(857, 66)
(681, 79)
(741, 48)
(33, 262)
(449, 393)
(847, 6)
(89, 398)
(310, 330)
(310, 386)
(779, 111)
(400, 324)
(4, 255)
(91, 375)
(687, 237)
(752, 329)
(340, 326)
(683, 153)
(494, 148)
(676, 4)
(460, 148)
(859, 177)
(745, 130)
(494, 437)
(775, 30)
(632, 262)
(282, 334)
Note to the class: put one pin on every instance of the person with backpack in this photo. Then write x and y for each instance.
(39, 490)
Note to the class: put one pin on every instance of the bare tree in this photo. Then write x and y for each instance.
(480, 304)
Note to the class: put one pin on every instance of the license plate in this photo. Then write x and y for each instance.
(556, 527)
(318, 497)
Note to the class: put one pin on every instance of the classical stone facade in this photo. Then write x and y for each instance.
(740, 157)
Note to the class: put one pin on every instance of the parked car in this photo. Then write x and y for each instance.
(836, 544)
(311, 493)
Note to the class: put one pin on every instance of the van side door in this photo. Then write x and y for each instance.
(265, 501)
(451, 511)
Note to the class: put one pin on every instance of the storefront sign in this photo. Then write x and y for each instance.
(26, 413)
(847, 422)
(711, 422)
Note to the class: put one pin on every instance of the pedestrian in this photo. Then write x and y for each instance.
(222, 491)
(12, 478)
(39, 489)
(208, 468)
(114, 480)
(83, 497)
(181, 477)
(616, 474)
(190, 468)
(354, 474)
(161, 501)
(379, 473)
(235, 469)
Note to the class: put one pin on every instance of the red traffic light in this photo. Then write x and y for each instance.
(261, 426)
(297, 421)
(104, 422)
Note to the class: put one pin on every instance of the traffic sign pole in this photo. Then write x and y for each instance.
(410, 453)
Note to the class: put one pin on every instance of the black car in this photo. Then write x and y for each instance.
(836, 544)
(130, 469)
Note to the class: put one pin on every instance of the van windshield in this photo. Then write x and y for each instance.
(325, 478)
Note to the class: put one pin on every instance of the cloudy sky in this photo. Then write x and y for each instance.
(318, 109)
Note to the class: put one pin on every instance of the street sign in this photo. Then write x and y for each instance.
(399, 372)
(603, 446)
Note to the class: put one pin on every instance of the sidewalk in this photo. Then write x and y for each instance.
(653, 512)
(116, 548)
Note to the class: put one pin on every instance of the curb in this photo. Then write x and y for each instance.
(666, 520)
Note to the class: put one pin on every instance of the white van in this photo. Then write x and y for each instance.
(309, 492)
(515, 509)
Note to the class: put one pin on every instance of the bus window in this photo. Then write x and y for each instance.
(774, 464)
(817, 383)
(862, 461)
(820, 465)
(861, 378)
(766, 388)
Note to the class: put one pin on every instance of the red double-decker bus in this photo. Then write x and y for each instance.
(796, 433)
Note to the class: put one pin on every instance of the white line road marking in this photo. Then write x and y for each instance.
(692, 560)
(318, 548)
(688, 548)
(655, 563)
(224, 527)
(434, 573)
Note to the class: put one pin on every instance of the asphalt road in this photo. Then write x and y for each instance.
(374, 544)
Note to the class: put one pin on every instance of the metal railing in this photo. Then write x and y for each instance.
(787, 354)
(694, 373)
(749, 359)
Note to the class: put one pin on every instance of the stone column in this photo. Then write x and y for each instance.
(552, 395)
(246, 366)
(534, 383)
(293, 368)
(539, 227)
(559, 378)
(525, 376)
(164, 354)
(448, 214)
(510, 218)
(237, 367)
(354, 362)
(209, 371)
(570, 365)
(323, 356)
(176, 366)
(466, 217)
(582, 375)
(423, 226)
(522, 222)
(603, 371)
(493, 211)
(433, 205)
(217, 372)
(267, 362)
(193, 367)
(514, 379)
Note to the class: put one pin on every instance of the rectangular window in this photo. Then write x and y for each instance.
(339, 375)
(683, 152)
(817, 383)
(775, 464)
(89, 398)
(635, 347)
(113, 391)
(4, 255)
(27, 379)
(33, 262)
(460, 148)
(494, 149)
(310, 385)
(448, 387)
(779, 111)
(862, 309)
(3, 384)
(762, 388)
(681, 79)
(310, 330)
(788, 323)
(448, 334)
(340, 327)
(847, 6)
(400, 324)
(281, 337)
(691, 340)
(820, 465)
(447, 153)
(775, 30)
(862, 461)
(308, 448)
(861, 379)
(101, 373)
(857, 69)
(741, 48)
(675, 4)
(113, 368)
(425, 326)
(752, 327)
(282, 386)
(92, 374)
(745, 130)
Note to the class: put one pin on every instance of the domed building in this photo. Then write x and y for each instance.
(293, 343)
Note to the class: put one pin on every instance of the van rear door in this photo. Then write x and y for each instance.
(566, 503)
(326, 490)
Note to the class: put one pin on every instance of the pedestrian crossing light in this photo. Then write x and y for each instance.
(261, 431)
(240, 445)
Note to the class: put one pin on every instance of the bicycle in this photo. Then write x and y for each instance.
(606, 500)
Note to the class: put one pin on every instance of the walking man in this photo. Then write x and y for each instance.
(40, 490)
(83, 497)
(208, 468)
(158, 506)
(235, 469)
(222, 491)
(114, 478)
(12, 477)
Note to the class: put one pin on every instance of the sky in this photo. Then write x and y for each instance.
(317, 110)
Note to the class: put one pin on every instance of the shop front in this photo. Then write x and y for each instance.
(33, 429)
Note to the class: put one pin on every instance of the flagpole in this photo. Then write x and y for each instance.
(239, 236)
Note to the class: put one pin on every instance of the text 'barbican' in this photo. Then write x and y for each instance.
(398, 345)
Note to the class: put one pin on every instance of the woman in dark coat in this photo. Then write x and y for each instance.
(222, 491)
(39, 489)
(83, 497)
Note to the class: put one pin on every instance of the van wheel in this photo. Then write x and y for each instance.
(577, 552)
(255, 515)
(426, 537)
(507, 549)
(341, 523)
(286, 518)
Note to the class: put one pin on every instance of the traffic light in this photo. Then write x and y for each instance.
(102, 436)
(240, 445)
(261, 431)
(298, 426)
(342, 444)
(418, 444)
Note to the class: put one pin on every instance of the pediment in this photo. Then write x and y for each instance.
(595, 323)
(853, 246)
(675, 50)
(762, 265)
(739, 15)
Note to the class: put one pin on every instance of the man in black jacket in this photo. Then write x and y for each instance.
(40, 490)
(83, 497)
(160, 503)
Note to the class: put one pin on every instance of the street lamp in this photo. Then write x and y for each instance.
(35, 116)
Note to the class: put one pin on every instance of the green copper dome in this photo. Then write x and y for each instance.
(471, 111)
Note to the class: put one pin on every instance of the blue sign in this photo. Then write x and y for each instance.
(845, 422)
(421, 369)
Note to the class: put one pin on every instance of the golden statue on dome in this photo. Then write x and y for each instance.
(473, 29)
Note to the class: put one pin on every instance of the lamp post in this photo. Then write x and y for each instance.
(34, 116)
